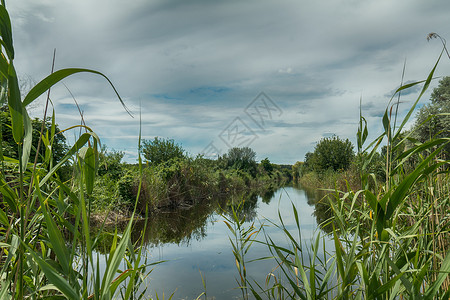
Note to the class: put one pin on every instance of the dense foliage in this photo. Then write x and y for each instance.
(56, 147)
(266, 165)
(241, 159)
(330, 154)
(433, 119)
(161, 150)
(183, 181)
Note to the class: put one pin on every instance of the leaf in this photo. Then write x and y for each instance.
(27, 140)
(382, 290)
(371, 199)
(9, 195)
(6, 32)
(15, 105)
(89, 169)
(4, 218)
(386, 125)
(119, 279)
(3, 67)
(400, 192)
(11, 253)
(59, 75)
(53, 276)
(114, 262)
(82, 140)
(54, 234)
(443, 273)
(427, 145)
(425, 87)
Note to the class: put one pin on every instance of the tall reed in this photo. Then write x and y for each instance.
(390, 240)
(47, 248)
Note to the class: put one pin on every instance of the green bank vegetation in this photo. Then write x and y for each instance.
(389, 228)
(49, 193)
(172, 179)
(389, 213)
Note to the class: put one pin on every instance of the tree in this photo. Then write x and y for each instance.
(111, 163)
(266, 165)
(310, 162)
(241, 159)
(331, 153)
(430, 123)
(297, 170)
(161, 150)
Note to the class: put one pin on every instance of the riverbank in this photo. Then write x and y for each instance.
(176, 184)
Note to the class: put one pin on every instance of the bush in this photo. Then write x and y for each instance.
(111, 164)
(161, 150)
(243, 159)
(57, 146)
(267, 166)
(125, 187)
(330, 153)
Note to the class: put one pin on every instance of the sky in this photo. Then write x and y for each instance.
(277, 76)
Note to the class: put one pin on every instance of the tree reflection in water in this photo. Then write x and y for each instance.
(181, 226)
(322, 210)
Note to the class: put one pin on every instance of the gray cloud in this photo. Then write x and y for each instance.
(191, 67)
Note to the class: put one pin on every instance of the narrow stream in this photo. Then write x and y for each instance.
(194, 244)
(195, 249)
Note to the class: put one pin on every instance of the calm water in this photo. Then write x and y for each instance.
(194, 243)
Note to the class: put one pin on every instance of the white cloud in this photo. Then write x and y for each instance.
(194, 66)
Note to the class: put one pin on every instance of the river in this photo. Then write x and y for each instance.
(197, 253)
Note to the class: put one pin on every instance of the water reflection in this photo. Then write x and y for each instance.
(182, 226)
(320, 199)
(267, 196)
(195, 239)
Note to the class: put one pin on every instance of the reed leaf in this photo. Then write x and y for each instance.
(443, 274)
(424, 89)
(114, 261)
(400, 192)
(59, 75)
(89, 157)
(82, 140)
(54, 276)
(55, 237)
(9, 195)
(6, 32)
(27, 139)
(15, 105)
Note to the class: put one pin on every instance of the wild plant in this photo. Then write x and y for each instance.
(242, 238)
(48, 250)
(396, 226)
(390, 239)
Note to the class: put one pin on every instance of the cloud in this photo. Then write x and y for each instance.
(190, 68)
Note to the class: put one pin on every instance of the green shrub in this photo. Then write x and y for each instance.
(331, 153)
(111, 164)
(241, 159)
(161, 150)
(266, 165)
(126, 187)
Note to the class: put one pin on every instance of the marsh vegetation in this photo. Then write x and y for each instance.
(387, 217)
